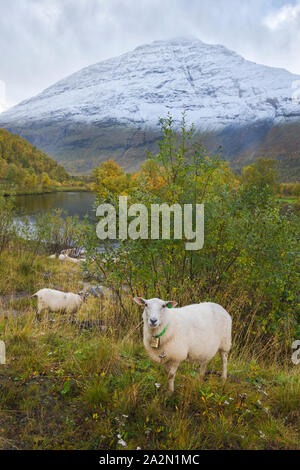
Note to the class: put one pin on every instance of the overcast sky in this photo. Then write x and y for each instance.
(42, 41)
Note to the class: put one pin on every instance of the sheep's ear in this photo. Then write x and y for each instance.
(171, 304)
(139, 300)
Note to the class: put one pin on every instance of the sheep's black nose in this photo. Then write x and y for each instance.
(153, 322)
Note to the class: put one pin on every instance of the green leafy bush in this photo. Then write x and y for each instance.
(249, 261)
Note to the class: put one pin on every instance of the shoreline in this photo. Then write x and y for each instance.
(43, 192)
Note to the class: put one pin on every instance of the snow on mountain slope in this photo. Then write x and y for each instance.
(216, 87)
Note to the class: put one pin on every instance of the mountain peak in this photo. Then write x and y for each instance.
(177, 40)
(106, 109)
(213, 85)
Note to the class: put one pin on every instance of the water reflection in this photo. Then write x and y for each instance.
(73, 203)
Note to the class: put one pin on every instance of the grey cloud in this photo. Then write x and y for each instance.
(42, 41)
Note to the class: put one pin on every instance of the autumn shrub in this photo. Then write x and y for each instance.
(55, 231)
(249, 259)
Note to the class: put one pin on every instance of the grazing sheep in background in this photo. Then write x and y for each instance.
(194, 333)
(56, 301)
(75, 260)
(63, 257)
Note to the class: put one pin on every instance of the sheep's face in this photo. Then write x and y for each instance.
(156, 310)
(83, 295)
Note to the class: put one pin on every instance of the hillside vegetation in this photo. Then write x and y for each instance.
(282, 143)
(25, 169)
(81, 147)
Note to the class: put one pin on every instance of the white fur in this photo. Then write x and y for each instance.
(194, 333)
(54, 301)
(74, 260)
(63, 257)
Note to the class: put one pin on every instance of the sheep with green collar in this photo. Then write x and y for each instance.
(193, 333)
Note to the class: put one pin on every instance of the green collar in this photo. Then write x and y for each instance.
(160, 334)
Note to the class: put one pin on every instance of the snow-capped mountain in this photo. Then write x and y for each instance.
(217, 88)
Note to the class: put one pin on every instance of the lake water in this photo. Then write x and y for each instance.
(73, 203)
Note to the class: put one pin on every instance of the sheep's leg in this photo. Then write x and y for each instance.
(171, 369)
(38, 313)
(202, 370)
(224, 356)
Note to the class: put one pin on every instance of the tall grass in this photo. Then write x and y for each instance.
(69, 388)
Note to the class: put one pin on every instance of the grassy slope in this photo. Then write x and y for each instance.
(65, 388)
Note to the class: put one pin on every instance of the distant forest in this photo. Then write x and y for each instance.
(25, 167)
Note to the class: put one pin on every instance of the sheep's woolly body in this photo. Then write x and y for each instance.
(194, 333)
(55, 301)
(65, 257)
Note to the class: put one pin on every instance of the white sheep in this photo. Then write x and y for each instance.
(63, 257)
(56, 301)
(193, 333)
(75, 260)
